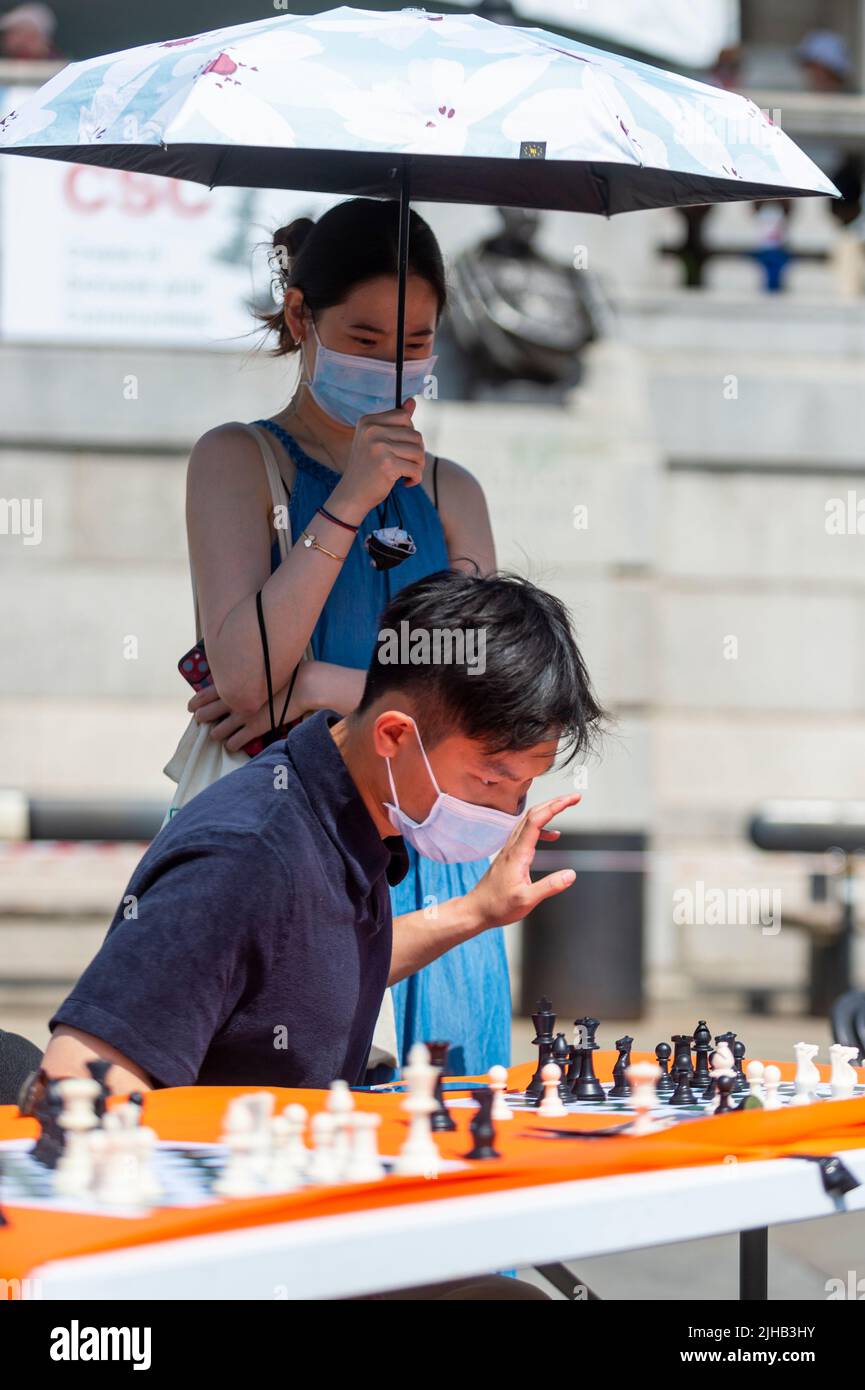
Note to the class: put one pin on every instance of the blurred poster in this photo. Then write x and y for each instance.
(679, 32)
(94, 255)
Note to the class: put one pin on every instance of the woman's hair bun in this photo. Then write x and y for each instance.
(289, 239)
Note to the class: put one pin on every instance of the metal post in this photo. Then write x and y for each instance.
(402, 256)
(754, 1265)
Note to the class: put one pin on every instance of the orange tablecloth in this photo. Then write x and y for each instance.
(34, 1236)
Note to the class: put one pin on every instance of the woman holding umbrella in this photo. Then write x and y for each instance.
(343, 449)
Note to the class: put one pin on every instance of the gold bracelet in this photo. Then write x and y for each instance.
(311, 543)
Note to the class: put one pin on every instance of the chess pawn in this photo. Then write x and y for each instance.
(683, 1095)
(419, 1156)
(75, 1170)
(643, 1080)
(551, 1104)
(843, 1079)
(771, 1083)
(754, 1099)
(364, 1163)
(756, 1072)
(498, 1079)
(666, 1084)
(724, 1084)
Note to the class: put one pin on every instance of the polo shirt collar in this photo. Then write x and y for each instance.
(336, 801)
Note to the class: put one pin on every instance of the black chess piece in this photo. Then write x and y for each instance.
(621, 1084)
(587, 1086)
(545, 1021)
(99, 1070)
(682, 1057)
(702, 1048)
(725, 1084)
(740, 1083)
(683, 1095)
(441, 1119)
(561, 1056)
(573, 1070)
(666, 1084)
(47, 1107)
(482, 1127)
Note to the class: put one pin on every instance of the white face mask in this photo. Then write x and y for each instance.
(454, 831)
(347, 385)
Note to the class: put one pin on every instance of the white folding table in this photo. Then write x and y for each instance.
(395, 1247)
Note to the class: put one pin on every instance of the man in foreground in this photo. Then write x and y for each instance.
(255, 940)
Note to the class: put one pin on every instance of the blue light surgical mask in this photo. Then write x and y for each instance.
(454, 831)
(348, 386)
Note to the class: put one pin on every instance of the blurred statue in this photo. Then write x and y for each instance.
(517, 321)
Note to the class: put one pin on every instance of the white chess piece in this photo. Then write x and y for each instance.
(364, 1163)
(282, 1171)
(340, 1104)
(722, 1060)
(120, 1181)
(755, 1072)
(771, 1082)
(552, 1103)
(239, 1177)
(323, 1168)
(289, 1156)
(296, 1147)
(498, 1079)
(419, 1155)
(843, 1079)
(260, 1106)
(76, 1168)
(643, 1079)
(807, 1075)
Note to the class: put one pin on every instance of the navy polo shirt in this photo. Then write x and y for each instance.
(253, 943)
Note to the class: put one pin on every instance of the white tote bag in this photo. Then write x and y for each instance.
(199, 760)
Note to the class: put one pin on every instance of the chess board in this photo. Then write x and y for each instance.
(661, 1110)
(186, 1172)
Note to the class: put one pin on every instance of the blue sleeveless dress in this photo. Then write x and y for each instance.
(463, 997)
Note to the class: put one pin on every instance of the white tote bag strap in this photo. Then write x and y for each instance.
(279, 496)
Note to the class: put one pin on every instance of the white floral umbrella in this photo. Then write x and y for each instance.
(450, 108)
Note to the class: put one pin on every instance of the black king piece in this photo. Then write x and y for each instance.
(587, 1086)
(545, 1021)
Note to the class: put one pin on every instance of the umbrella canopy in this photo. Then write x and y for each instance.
(482, 113)
(436, 107)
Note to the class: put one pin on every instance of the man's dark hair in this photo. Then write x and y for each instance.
(534, 687)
